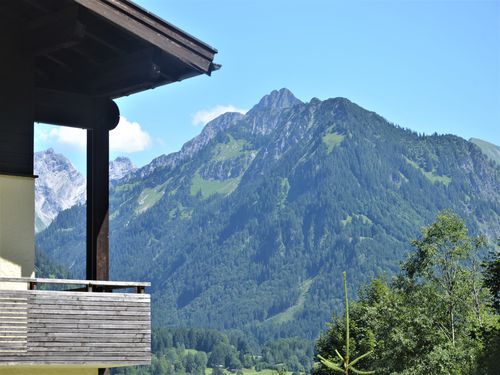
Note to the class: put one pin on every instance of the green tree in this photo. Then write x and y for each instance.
(442, 258)
(434, 318)
(492, 276)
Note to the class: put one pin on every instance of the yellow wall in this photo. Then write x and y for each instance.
(58, 370)
(17, 234)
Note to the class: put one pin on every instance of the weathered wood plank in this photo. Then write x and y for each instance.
(16, 313)
(9, 310)
(88, 295)
(16, 361)
(88, 298)
(82, 336)
(90, 345)
(106, 352)
(123, 284)
(84, 321)
(53, 327)
(25, 296)
(13, 302)
(56, 325)
(83, 318)
(86, 349)
(6, 330)
(103, 332)
(141, 306)
(134, 339)
(79, 311)
(12, 324)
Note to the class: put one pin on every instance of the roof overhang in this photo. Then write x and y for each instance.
(104, 48)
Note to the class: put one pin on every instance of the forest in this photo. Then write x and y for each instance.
(439, 315)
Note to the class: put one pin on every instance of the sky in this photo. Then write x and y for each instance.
(431, 66)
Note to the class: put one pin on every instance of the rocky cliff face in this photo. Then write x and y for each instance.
(59, 186)
(120, 167)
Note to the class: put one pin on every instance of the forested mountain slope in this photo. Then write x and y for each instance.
(250, 225)
(489, 149)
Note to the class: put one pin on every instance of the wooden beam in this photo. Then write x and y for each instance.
(172, 44)
(55, 31)
(75, 110)
(97, 203)
(135, 72)
(163, 27)
(109, 284)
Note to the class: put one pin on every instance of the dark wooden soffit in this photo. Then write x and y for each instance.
(104, 48)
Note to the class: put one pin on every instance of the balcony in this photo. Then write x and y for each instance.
(86, 325)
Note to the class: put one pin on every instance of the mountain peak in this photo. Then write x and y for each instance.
(277, 99)
(120, 167)
(58, 187)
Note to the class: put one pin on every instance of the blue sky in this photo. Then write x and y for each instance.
(432, 66)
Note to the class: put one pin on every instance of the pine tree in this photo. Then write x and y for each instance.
(345, 361)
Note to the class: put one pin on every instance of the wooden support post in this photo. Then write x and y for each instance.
(97, 204)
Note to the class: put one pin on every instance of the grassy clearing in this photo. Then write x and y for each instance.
(332, 140)
(149, 197)
(431, 176)
(181, 212)
(289, 313)
(251, 371)
(211, 187)
(126, 187)
(364, 219)
(230, 150)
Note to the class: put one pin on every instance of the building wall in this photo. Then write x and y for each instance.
(17, 234)
(59, 370)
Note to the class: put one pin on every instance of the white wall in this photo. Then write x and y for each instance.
(17, 233)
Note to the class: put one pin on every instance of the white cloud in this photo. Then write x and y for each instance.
(204, 116)
(128, 137)
(70, 136)
(51, 135)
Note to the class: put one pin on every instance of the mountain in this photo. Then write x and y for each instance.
(489, 149)
(120, 167)
(60, 186)
(250, 225)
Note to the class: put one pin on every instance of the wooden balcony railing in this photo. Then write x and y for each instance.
(87, 325)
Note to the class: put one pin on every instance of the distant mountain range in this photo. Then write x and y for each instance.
(60, 186)
(251, 223)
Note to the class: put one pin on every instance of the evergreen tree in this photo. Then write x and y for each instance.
(345, 364)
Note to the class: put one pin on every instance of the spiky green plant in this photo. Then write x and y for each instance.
(345, 360)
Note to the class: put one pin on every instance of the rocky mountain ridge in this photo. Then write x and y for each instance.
(60, 185)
